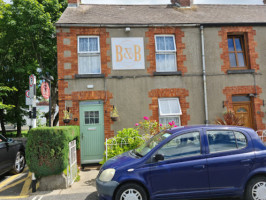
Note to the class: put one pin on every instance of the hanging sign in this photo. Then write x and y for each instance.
(128, 53)
(45, 89)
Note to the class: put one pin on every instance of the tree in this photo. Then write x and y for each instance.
(28, 43)
(4, 90)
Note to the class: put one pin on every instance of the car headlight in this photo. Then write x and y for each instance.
(107, 175)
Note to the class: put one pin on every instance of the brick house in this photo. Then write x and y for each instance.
(182, 62)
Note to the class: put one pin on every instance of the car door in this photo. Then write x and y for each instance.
(4, 160)
(230, 159)
(183, 171)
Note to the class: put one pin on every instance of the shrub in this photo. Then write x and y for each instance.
(125, 140)
(47, 149)
(229, 118)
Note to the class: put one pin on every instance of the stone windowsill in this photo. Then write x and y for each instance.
(178, 73)
(241, 71)
(89, 75)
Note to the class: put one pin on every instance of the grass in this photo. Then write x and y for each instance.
(13, 134)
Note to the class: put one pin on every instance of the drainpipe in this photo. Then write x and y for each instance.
(204, 75)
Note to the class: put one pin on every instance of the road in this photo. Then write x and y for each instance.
(19, 187)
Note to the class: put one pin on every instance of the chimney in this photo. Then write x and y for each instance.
(73, 3)
(181, 3)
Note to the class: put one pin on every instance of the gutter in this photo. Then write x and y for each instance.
(233, 24)
(204, 75)
(124, 25)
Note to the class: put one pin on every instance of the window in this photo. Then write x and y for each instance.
(220, 141)
(182, 146)
(89, 59)
(91, 117)
(165, 53)
(169, 110)
(237, 54)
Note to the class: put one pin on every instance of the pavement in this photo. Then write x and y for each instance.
(18, 187)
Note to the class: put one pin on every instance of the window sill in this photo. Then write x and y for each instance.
(241, 71)
(89, 75)
(178, 73)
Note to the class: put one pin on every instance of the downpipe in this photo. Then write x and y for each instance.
(204, 75)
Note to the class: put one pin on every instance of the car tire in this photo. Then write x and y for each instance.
(131, 191)
(19, 163)
(256, 189)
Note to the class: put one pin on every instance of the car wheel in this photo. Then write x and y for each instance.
(131, 191)
(256, 189)
(19, 162)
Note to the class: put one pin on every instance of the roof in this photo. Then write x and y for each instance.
(143, 15)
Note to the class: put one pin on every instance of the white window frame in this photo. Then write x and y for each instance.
(177, 115)
(89, 53)
(173, 52)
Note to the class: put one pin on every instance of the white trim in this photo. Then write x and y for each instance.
(127, 2)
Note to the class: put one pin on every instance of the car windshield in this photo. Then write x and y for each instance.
(151, 143)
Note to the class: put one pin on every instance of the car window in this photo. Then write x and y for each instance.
(221, 141)
(240, 140)
(182, 146)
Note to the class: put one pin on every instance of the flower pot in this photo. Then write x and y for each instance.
(66, 121)
(114, 118)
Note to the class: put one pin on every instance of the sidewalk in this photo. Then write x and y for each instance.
(86, 184)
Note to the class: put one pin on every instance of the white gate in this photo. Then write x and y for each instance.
(72, 169)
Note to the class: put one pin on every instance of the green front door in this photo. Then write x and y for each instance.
(91, 131)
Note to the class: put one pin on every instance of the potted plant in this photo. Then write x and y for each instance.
(66, 118)
(114, 114)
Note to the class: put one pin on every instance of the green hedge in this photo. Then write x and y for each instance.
(47, 149)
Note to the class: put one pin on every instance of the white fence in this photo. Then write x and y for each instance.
(111, 142)
(262, 135)
(72, 169)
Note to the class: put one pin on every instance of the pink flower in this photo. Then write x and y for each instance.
(170, 124)
(136, 124)
(161, 125)
(146, 118)
(173, 122)
(175, 126)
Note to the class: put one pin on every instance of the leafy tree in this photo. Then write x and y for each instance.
(28, 43)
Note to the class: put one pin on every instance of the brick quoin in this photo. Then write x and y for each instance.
(180, 46)
(170, 93)
(251, 44)
(257, 102)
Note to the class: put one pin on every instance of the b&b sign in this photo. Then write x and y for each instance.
(128, 53)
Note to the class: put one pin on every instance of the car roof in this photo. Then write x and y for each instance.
(207, 126)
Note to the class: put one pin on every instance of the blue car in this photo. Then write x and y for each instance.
(189, 163)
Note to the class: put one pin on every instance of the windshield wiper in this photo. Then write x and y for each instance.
(137, 153)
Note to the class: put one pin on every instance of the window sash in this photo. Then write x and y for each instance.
(167, 104)
(164, 120)
(165, 51)
(237, 53)
(89, 66)
(89, 37)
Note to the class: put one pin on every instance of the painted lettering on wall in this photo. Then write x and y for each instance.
(128, 53)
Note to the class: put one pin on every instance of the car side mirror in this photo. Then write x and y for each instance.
(158, 157)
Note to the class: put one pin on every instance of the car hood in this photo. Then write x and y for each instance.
(121, 161)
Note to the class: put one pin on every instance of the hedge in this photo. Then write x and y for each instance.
(47, 149)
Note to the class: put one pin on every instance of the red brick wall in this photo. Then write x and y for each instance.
(238, 90)
(73, 1)
(73, 33)
(170, 93)
(251, 44)
(180, 46)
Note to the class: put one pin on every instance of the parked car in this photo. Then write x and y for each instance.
(12, 155)
(188, 163)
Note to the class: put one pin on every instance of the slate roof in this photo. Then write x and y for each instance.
(157, 15)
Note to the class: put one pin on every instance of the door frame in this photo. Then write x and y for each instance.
(83, 104)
